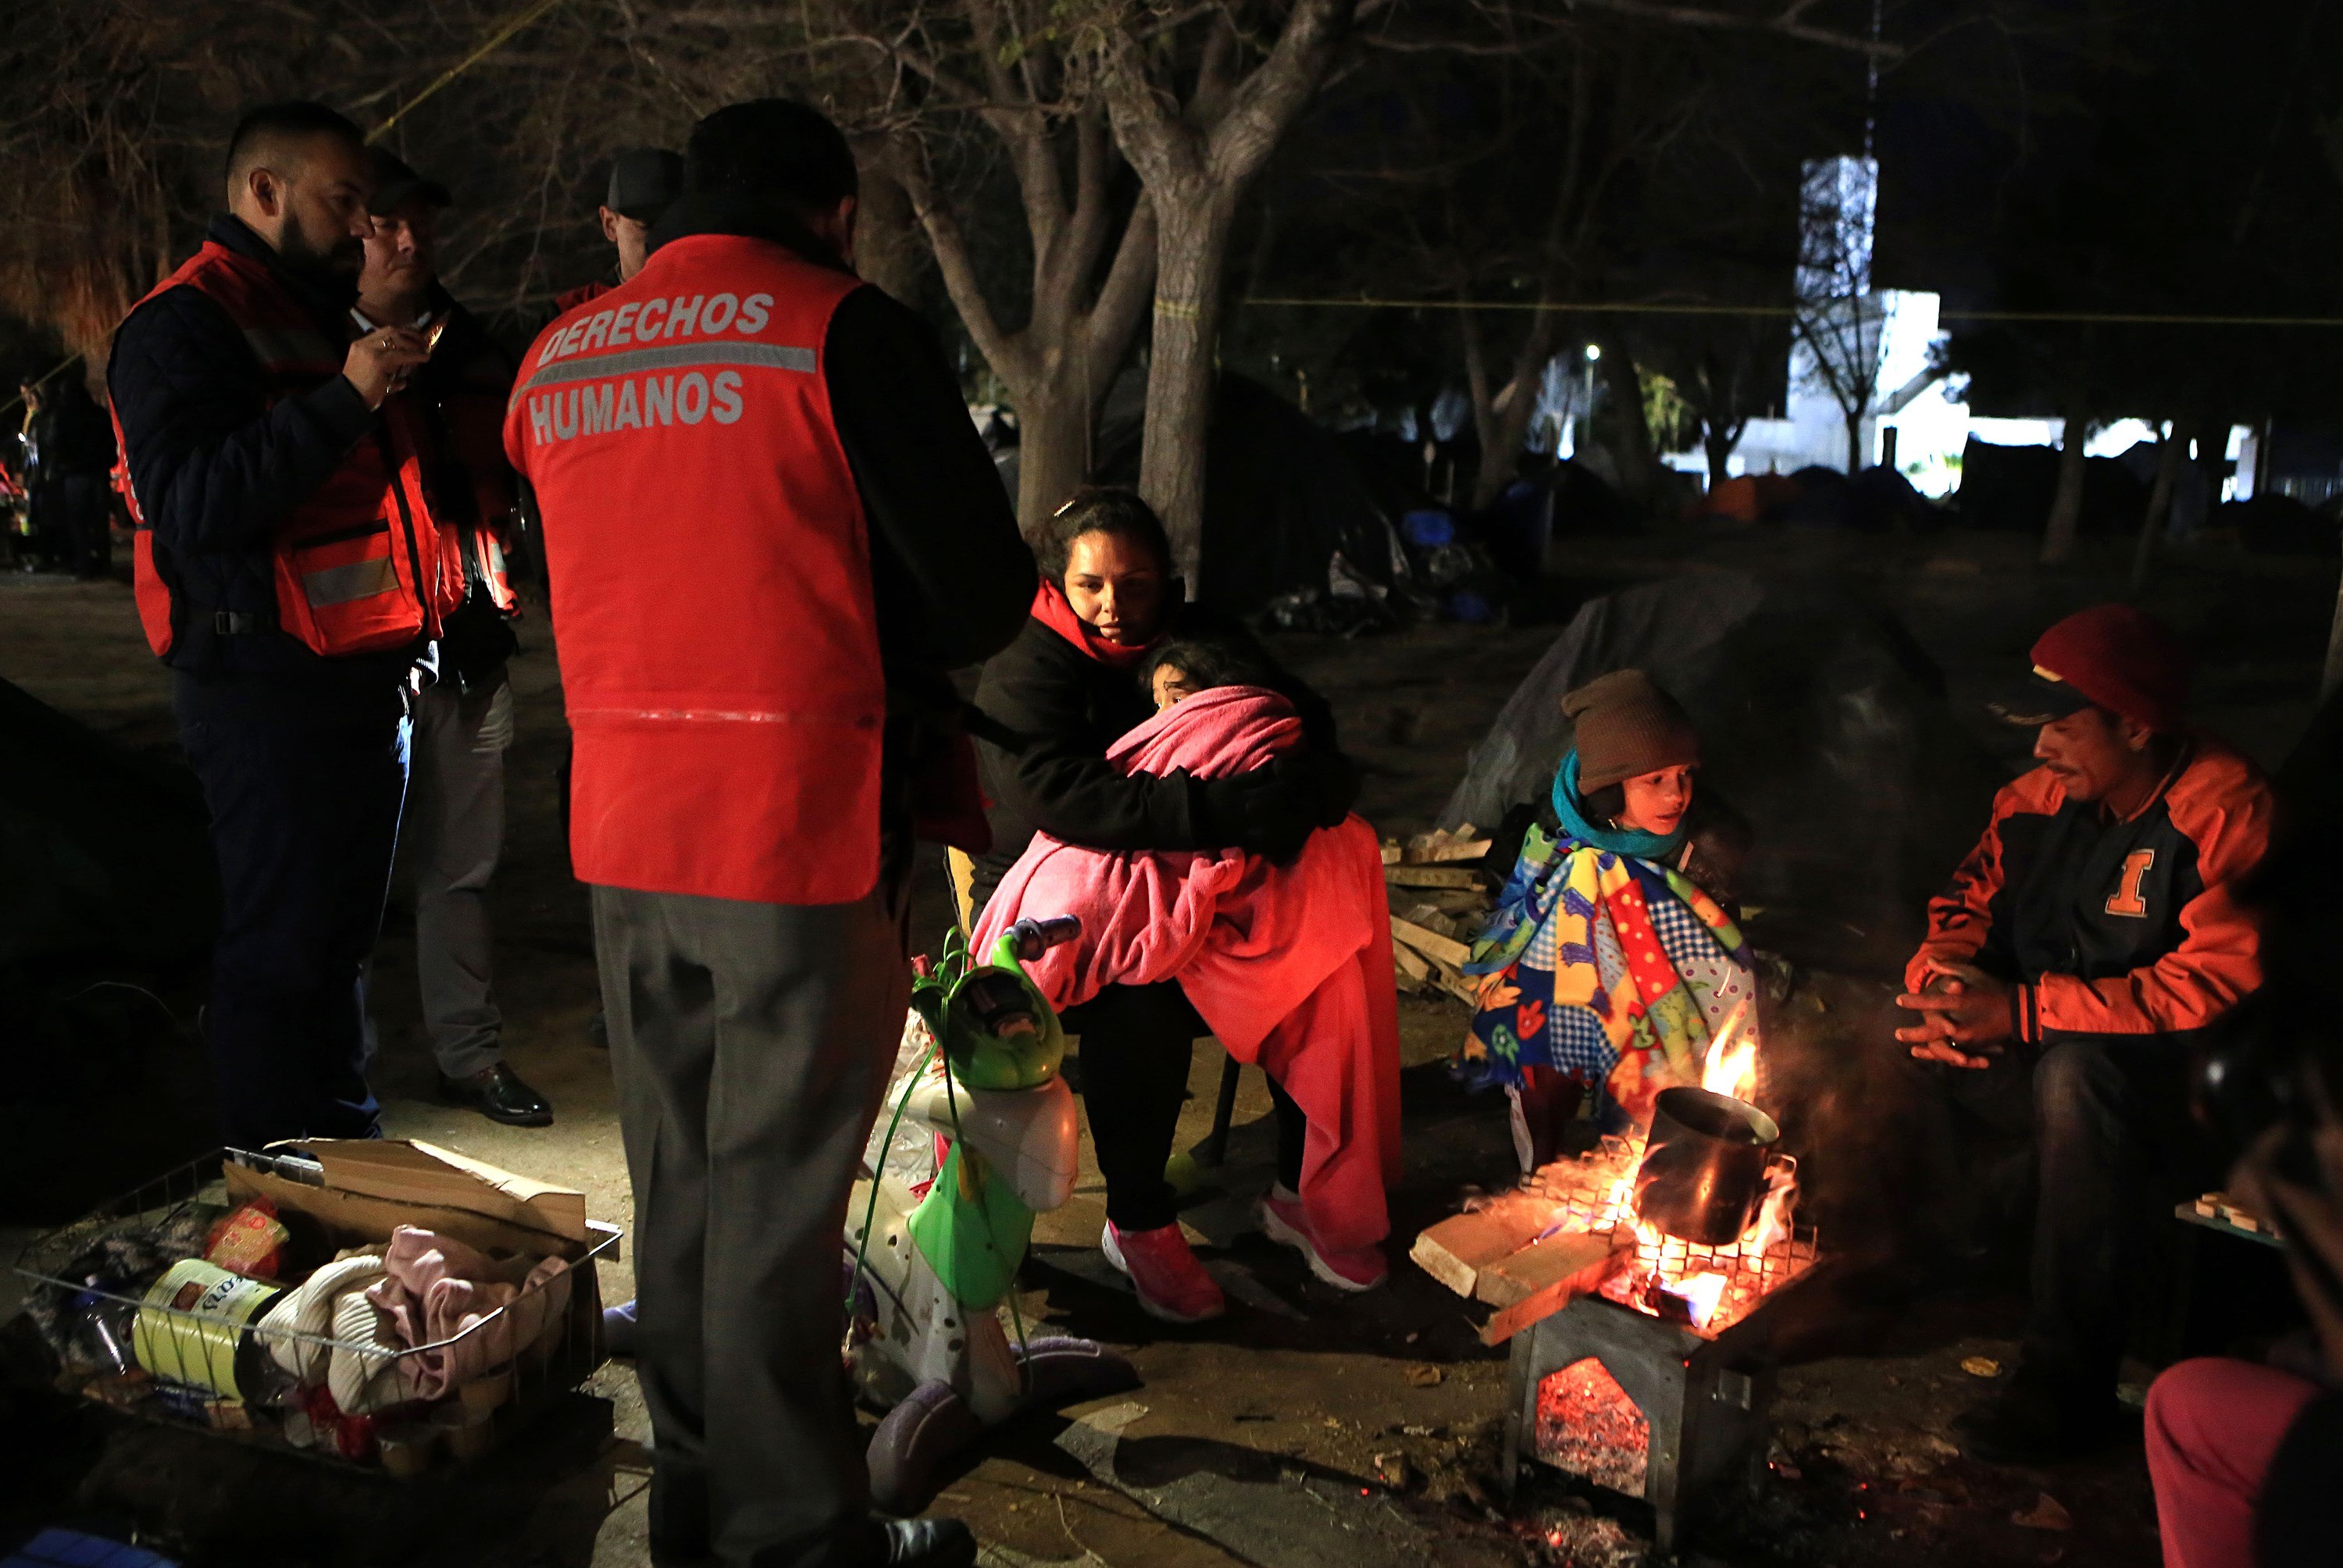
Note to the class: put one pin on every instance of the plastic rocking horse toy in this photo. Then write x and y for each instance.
(932, 1262)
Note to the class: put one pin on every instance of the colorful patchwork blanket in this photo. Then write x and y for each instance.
(1607, 967)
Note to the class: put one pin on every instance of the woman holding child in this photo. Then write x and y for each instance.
(1154, 770)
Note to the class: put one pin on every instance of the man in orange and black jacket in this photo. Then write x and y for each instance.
(2088, 946)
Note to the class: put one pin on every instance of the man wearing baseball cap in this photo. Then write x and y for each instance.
(643, 182)
(2088, 943)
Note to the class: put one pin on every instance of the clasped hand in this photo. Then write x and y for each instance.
(1960, 1007)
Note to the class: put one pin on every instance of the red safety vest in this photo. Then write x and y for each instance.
(710, 572)
(361, 567)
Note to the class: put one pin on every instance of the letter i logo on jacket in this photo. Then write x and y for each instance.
(2127, 899)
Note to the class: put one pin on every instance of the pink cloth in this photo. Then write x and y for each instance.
(1290, 966)
(437, 1288)
(2213, 1427)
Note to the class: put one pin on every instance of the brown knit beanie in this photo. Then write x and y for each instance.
(1626, 726)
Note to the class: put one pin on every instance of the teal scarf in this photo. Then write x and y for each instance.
(1571, 809)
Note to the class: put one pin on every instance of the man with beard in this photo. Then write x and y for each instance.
(455, 824)
(286, 571)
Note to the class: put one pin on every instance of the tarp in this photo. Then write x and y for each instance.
(1820, 721)
(105, 855)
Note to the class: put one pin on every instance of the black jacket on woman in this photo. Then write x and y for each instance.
(1050, 711)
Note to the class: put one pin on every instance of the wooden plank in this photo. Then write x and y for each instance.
(1431, 877)
(1410, 962)
(1431, 944)
(1392, 852)
(1597, 1262)
(1460, 850)
(1454, 1251)
(1518, 1276)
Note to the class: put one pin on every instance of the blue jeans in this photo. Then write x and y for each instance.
(305, 798)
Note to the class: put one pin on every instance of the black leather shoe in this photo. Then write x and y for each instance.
(928, 1543)
(498, 1093)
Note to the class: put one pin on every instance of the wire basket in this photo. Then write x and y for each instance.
(45, 1261)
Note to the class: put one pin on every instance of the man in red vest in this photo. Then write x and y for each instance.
(770, 528)
(286, 566)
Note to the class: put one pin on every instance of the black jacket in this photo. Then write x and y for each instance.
(1049, 711)
(217, 467)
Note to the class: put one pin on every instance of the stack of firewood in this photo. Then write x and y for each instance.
(1439, 899)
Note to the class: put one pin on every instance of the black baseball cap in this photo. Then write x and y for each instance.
(395, 185)
(643, 182)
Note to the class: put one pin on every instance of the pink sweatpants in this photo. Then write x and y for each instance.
(2213, 1427)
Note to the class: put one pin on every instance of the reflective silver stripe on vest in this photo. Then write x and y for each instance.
(338, 585)
(292, 346)
(683, 356)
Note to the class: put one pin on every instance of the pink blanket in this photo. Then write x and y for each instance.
(436, 1287)
(1290, 966)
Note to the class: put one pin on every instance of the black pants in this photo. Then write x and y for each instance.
(1136, 1044)
(304, 802)
(80, 506)
(2098, 1129)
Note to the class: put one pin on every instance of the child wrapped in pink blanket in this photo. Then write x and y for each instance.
(1290, 966)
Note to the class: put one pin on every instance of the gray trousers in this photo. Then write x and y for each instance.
(455, 833)
(752, 1044)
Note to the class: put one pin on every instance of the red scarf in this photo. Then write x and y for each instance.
(1050, 609)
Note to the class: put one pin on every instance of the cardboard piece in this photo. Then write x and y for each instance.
(416, 1172)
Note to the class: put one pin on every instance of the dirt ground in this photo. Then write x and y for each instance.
(1306, 1426)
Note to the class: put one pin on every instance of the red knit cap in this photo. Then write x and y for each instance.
(2122, 659)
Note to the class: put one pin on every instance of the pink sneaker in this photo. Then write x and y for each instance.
(1282, 1221)
(1164, 1274)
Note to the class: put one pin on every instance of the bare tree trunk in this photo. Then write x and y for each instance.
(1502, 429)
(1182, 373)
(1196, 157)
(2171, 448)
(1638, 466)
(887, 234)
(1855, 454)
(2333, 676)
(2066, 524)
(1054, 448)
(1718, 441)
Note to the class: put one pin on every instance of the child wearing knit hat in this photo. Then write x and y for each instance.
(1607, 966)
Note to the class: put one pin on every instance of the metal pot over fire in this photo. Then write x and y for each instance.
(1704, 1175)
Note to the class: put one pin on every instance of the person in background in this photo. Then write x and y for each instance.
(1054, 702)
(75, 445)
(454, 825)
(278, 533)
(2091, 942)
(770, 529)
(644, 182)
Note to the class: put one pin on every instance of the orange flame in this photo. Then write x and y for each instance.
(1731, 1067)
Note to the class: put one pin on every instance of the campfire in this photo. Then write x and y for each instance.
(1710, 1287)
(1640, 1354)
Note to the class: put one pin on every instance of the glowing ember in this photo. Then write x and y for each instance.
(1587, 1425)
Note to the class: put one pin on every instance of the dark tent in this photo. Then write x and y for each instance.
(1283, 494)
(1821, 722)
(104, 854)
